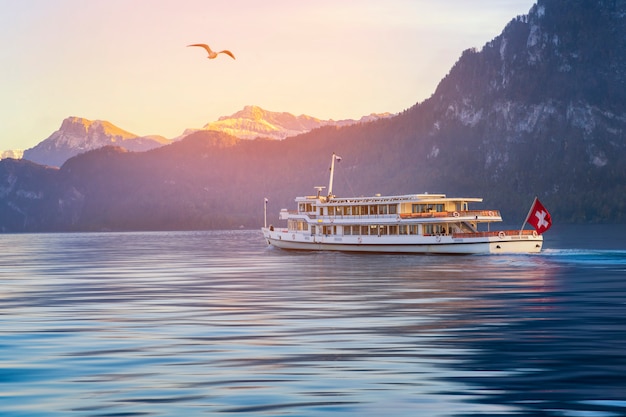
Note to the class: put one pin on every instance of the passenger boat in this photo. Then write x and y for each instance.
(413, 223)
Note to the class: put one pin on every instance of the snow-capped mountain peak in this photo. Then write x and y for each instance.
(253, 121)
(83, 134)
(77, 135)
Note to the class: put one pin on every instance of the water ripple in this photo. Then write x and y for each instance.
(197, 323)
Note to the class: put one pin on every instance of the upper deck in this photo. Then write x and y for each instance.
(412, 205)
(377, 199)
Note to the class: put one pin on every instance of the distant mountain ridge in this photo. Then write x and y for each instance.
(253, 122)
(78, 135)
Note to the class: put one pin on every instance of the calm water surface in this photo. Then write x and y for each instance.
(207, 323)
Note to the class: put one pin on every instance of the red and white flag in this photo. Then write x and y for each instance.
(539, 217)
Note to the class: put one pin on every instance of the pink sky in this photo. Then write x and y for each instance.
(126, 61)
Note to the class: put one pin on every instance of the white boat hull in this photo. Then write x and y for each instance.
(503, 243)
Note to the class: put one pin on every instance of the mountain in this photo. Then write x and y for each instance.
(77, 135)
(539, 110)
(253, 122)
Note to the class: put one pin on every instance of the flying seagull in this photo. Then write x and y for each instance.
(213, 55)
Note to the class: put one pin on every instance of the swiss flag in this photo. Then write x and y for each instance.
(539, 217)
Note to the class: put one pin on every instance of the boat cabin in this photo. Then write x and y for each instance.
(419, 214)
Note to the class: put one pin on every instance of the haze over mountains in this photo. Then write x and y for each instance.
(14, 153)
(539, 110)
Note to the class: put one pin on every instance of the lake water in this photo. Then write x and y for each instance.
(207, 323)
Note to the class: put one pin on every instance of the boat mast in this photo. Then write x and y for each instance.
(332, 172)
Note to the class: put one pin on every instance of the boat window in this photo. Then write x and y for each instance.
(421, 208)
(393, 230)
(348, 211)
(382, 230)
(356, 230)
(331, 211)
(434, 229)
(393, 209)
(427, 208)
(382, 209)
(347, 230)
(339, 211)
(414, 229)
(365, 230)
(373, 209)
(403, 229)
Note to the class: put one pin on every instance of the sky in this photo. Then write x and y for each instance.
(127, 61)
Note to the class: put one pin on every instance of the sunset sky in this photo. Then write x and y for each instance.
(126, 61)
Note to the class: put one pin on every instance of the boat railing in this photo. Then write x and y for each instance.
(499, 233)
(432, 214)
(465, 214)
(379, 216)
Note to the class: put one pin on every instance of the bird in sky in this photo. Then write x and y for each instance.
(212, 54)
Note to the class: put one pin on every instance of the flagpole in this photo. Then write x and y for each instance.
(265, 213)
(528, 215)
